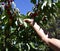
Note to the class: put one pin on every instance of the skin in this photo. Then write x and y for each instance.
(52, 42)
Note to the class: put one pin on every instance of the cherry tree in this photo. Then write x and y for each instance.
(17, 35)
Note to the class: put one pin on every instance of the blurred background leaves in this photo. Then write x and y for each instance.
(16, 35)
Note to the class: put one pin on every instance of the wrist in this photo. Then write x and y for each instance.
(45, 39)
(32, 23)
(36, 26)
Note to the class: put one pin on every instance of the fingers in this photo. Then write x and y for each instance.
(28, 20)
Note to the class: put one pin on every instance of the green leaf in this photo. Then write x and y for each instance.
(50, 3)
(32, 45)
(25, 24)
(1, 0)
(58, 4)
(33, 1)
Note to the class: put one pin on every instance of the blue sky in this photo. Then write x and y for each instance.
(24, 6)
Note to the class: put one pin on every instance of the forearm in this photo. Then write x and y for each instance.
(53, 43)
(40, 32)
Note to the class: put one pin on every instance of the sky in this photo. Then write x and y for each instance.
(24, 6)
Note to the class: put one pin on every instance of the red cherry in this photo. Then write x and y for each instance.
(10, 22)
(34, 15)
(9, 5)
(6, 6)
(8, 2)
(11, 17)
(8, 12)
(11, 0)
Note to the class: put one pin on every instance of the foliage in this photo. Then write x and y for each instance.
(16, 35)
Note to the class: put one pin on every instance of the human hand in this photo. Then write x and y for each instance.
(30, 21)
